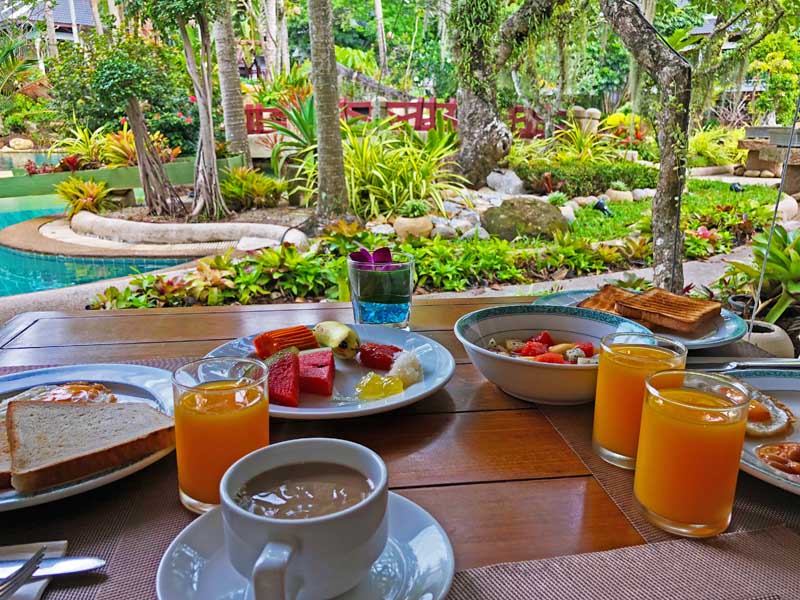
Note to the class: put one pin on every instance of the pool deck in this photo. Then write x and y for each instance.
(52, 235)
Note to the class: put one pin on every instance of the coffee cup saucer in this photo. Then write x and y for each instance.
(417, 562)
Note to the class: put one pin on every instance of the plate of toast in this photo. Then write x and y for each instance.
(694, 322)
(68, 430)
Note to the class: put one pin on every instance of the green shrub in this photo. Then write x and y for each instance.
(414, 208)
(715, 146)
(81, 194)
(619, 186)
(244, 188)
(558, 199)
(581, 178)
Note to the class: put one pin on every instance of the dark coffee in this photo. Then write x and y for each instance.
(303, 490)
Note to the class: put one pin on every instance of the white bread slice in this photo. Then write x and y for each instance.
(54, 442)
(5, 457)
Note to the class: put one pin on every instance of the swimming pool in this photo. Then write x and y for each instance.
(24, 272)
(17, 160)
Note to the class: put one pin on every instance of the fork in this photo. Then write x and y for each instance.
(15, 581)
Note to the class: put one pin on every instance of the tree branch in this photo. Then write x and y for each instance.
(371, 84)
(520, 25)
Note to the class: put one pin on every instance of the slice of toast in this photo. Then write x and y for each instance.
(53, 442)
(668, 310)
(5, 457)
(606, 299)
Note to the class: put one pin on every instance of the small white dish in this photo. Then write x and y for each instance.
(417, 563)
(784, 386)
(437, 364)
(725, 329)
(129, 383)
(532, 381)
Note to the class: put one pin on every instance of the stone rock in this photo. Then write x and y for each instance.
(578, 112)
(739, 170)
(451, 208)
(581, 200)
(603, 197)
(640, 194)
(20, 144)
(445, 232)
(619, 195)
(524, 216)
(482, 234)
(415, 227)
(248, 244)
(573, 205)
(766, 174)
(593, 113)
(569, 213)
(461, 225)
(5, 149)
(383, 229)
(437, 220)
(751, 173)
(505, 181)
(470, 215)
(787, 208)
(631, 155)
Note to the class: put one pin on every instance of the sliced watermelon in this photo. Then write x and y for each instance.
(284, 380)
(317, 370)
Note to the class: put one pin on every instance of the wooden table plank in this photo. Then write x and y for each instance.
(526, 520)
(443, 449)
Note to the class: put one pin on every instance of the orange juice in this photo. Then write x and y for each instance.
(688, 459)
(216, 424)
(620, 393)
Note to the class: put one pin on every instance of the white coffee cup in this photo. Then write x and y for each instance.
(305, 559)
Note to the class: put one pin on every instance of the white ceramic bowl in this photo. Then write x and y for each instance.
(532, 381)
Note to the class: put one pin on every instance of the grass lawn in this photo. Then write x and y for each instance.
(594, 226)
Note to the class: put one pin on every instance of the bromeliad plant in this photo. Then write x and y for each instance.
(87, 144)
(80, 194)
(244, 188)
(781, 276)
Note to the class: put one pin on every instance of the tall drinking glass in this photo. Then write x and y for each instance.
(626, 359)
(693, 428)
(221, 414)
(381, 292)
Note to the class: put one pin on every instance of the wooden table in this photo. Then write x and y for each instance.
(491, 469)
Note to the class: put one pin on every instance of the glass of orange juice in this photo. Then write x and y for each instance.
(693, 427)
(221, 414)
(626, 359)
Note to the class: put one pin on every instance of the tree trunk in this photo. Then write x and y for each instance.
(159, 195)
(52, 42)
(368, 83)
(283, 39)
(208, 200)
(444, 34)
(76, 37)
(561, 45)
(230, 85)
(673, 75)
(634, 73)
(332, 199)
(381, 34)
(271, 43)
(115, 12)
(98, 22)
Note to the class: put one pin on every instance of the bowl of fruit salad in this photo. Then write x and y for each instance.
(545, 354)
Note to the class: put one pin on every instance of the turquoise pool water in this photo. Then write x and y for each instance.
(17, 160)
(23, 272)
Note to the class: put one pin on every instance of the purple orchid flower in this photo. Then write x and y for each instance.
(379, 260)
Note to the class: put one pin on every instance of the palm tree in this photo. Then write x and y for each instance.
(74, 19)
(381, 37)
(15, 69)
(332, 191)
(229, 85)
(50, 24)
(270, 8)
(98, 22)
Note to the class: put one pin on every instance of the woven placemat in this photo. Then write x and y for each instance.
(758, 565)
(129, 524)
(758, 504)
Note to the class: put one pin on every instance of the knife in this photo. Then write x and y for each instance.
(51, 567)
(721, 364)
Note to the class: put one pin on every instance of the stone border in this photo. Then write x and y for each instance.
(133, 232)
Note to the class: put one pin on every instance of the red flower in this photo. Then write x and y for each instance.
(123, 120)
(189, 120)
(192, 99)
(180, 114)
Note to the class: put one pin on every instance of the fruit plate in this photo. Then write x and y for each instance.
(437, 365)
(129, 383)
(727, 328)
(784, 386)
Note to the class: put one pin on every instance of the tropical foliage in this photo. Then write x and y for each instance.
(84, 194)
(244, 188)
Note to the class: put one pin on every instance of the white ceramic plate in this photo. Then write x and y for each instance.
(129, 383)
(417, 562)
(784, 386)
(437, 363)
(727, 328)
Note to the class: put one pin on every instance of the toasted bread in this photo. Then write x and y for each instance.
(54, 443)
(670, 311)
(5, 457)
(606, 299)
